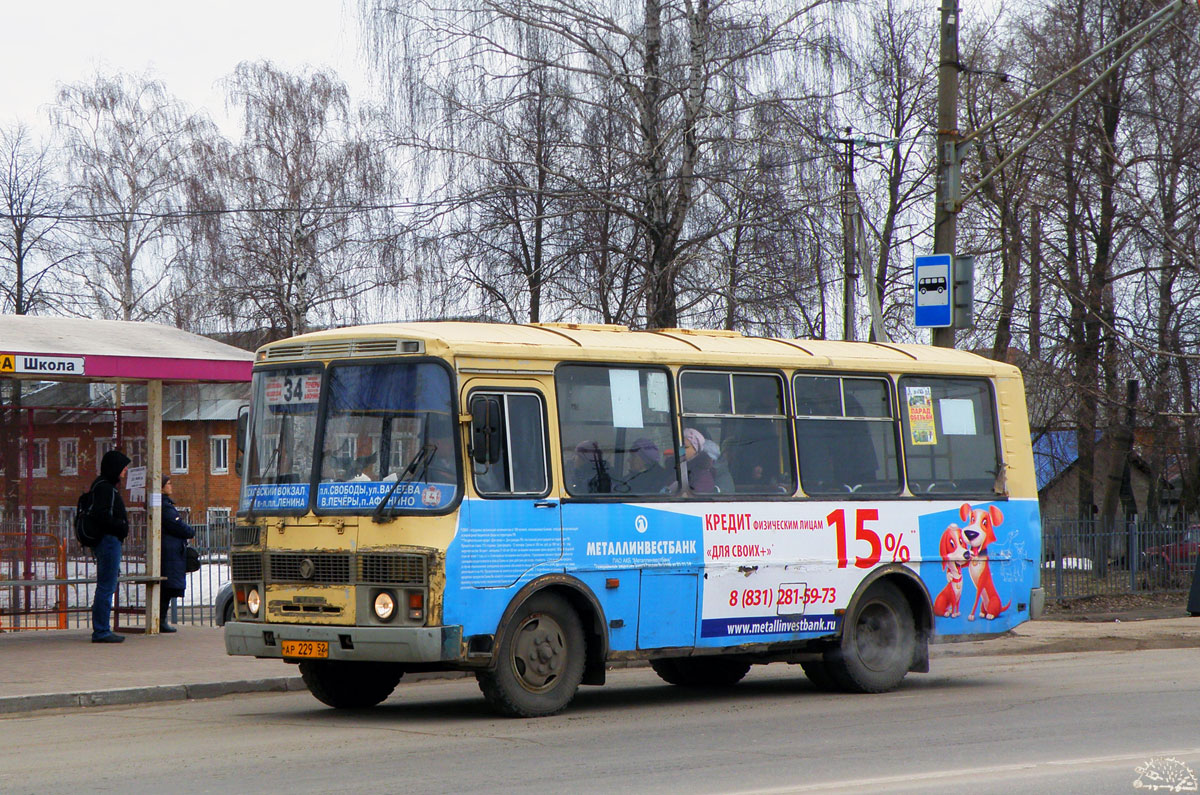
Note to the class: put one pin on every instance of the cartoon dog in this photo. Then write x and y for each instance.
(955, 555)
(980, 532)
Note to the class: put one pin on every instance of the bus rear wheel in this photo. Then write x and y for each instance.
(350, 685)
(878, 643)
(818, 673)
(700, 671)
(541, 656)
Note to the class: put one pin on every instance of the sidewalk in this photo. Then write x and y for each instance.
(55, 669)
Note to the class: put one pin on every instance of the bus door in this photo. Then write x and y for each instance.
(512, 529)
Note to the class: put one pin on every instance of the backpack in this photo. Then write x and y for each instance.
(88, 531)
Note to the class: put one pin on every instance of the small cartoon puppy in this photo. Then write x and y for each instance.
(980, 532)
(955, 555)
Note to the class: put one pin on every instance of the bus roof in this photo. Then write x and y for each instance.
(552, 342)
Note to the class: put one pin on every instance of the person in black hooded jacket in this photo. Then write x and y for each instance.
(108, 509)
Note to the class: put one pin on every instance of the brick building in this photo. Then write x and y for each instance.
(72, 425)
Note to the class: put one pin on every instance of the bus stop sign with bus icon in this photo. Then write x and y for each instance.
(933, 303)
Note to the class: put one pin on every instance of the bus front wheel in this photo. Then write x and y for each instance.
(878, 643)
(350, 685)
(541, 656)
(700, 671)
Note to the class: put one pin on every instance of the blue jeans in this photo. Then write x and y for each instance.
(108, 567)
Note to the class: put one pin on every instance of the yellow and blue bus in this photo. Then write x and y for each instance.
(532, 503)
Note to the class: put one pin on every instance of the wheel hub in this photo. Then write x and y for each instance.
(539, 653)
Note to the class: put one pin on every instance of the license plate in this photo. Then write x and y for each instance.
(306, 649)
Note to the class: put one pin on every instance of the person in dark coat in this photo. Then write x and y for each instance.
(108, 510)
(646, 474)
(175, 535)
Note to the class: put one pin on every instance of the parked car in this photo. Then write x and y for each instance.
(1172, 564)
(223, 605)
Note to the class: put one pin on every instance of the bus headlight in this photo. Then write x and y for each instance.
(253, 601)
(385, 606)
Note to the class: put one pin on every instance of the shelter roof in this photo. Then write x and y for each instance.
(67, 348)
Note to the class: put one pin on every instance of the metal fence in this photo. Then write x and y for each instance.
(1079, 559)
(59, 595)
(1088, 558)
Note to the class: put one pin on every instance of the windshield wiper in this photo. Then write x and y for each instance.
(424, 455)
(254, 497)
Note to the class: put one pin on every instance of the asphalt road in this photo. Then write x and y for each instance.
(1088, 723)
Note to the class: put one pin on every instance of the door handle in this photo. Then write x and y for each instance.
(546, 504)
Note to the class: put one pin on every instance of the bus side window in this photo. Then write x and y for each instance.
(742, 418)
(521, 468)
(846, 435)
(616, 427)
(950, 440)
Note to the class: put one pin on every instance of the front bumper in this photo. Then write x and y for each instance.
(367, 644)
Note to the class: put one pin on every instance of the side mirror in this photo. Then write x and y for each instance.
(243, 425)
(485, 430)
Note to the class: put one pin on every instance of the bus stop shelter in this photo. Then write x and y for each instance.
(37, 349)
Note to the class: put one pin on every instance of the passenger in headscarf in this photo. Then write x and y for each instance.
(701, 479)
(108, 511)
(646, 473)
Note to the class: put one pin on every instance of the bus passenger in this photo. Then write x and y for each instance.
(591, 473)
(701, 478)
(720, 467)
(646, 474)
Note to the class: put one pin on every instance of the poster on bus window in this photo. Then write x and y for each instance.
(921, 428)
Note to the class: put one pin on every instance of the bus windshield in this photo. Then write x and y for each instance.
(388, 436)
(282, 436)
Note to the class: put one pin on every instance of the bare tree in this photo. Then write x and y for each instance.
(32, 245)
(130, 148)
(663, 70)
(893, 80)
(305, 232)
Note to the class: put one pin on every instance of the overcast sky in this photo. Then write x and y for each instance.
(188, 46)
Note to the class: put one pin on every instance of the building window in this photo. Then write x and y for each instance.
(41, 518)
(218, 455)
(68, 456)
(217, 516)
(41, 451)
(102, 447)
(135, 448)
(66, 521)
(179, 454)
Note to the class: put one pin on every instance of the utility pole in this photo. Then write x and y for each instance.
(950, 195)
(849, 260)
(850, 226)
(945, 216)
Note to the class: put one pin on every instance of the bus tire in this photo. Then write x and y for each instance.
(818, 673)
(343, 684)
(878, 643)
(540, 660)
(700, 671)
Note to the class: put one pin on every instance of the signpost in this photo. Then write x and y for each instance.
(933, 291)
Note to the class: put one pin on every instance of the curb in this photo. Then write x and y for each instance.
(1003, 644)
(145, 695)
